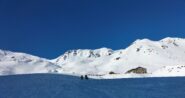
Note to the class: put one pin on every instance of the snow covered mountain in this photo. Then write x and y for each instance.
(152, 56)
(21, 63)
(143, 58)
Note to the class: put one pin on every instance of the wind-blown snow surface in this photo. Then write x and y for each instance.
(60, 86)
(165, 57)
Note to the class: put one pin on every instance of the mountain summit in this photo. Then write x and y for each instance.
(143, 58)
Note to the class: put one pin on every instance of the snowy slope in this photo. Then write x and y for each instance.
(152, 55)
(159, 58)
(21, 63)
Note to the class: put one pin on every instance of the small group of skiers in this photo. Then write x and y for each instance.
(84, 77)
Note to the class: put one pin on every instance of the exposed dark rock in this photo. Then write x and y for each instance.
(97, 55)
(138, 70)
(110, 52)
(164, 46)
(74, 53)
(138, 49)
(117, 58)
(175, 44)
(65, 57)
(111, 72)
(91, 54)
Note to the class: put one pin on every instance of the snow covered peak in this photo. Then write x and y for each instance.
(145, 53)
(22, 63)
(165, 40)
(165, 43)
(4, 52)
(17, 56)
(82, 54)
(89, 52)
(171, 39)
(154, 57)
(142, 40)
(103, 51)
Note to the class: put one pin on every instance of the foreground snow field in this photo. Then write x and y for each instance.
(61, 86)
(143, 58)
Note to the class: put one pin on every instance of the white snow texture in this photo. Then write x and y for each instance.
(163, 58)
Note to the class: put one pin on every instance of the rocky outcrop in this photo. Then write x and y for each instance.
(111, 72)
(138, 70)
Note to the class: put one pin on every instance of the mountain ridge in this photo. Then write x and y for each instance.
(157, 57)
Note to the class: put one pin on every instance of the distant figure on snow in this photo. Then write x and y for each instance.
(86, 77)
(81, 77)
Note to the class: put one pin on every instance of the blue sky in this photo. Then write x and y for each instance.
(48, 28)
